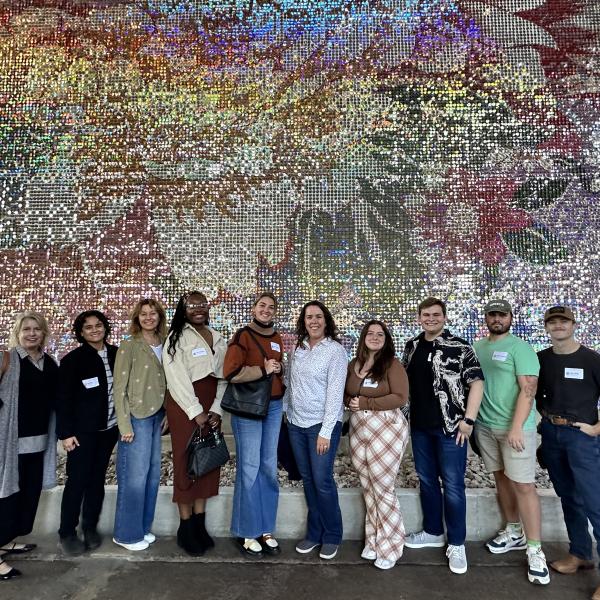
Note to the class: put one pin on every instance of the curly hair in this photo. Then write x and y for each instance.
(331, 331)
(80, 320)
(179, 320)
(383, 357)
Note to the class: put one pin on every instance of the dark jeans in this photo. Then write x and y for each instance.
(573, 461)
(324, 521)
(437, 456)
(86, 472)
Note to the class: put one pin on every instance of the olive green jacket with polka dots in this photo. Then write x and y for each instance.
(139, 383)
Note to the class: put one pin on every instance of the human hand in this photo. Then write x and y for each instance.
(516, 439)
(214, 419)
(587, 429)
(272, 366)
(201, 419)
(464, 433)
(127, 437)
(70, 443)
(354, 404)
(322, 445)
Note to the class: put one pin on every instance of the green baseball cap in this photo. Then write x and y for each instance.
(501, 306)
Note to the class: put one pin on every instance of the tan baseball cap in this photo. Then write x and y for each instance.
(559, 311)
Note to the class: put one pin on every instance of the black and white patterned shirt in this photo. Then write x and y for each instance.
(112, 415)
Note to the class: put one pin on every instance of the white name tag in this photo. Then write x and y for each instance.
(370, 383)
(571, 373)
(199, 352)
(501, 356)
(275, 346)
(90, 383)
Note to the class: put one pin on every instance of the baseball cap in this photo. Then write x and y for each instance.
(497, 306)
(559, 311)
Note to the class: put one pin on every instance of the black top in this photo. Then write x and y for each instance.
(425, 410)
(569, 384)
(83, 391)
(37, 396)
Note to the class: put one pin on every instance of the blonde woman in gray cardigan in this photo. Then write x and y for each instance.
(139, 393)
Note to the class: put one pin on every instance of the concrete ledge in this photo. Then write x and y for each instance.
(483, 516)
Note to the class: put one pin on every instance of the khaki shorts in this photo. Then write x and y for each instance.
(499, 456)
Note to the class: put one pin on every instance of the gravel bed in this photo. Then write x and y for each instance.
(344, 473)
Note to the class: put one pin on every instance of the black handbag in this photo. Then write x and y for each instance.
(206, 452)
(249, 399)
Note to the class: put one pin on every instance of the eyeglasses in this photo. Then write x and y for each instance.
(194, 306)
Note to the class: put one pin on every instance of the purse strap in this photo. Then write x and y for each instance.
(262, 350)
(5, 363)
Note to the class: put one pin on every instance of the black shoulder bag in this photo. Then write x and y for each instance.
(251, 398)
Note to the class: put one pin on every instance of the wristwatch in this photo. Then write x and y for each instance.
(469, 421)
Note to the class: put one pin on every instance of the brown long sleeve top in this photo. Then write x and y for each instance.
(389, 393)
(244, 361)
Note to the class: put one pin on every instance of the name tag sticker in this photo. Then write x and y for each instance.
(199, 352)
(370, 383)
(572, 373)
(275, 346)
(501, 356)
(90, 383)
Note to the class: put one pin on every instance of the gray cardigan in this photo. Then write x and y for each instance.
(9, 433)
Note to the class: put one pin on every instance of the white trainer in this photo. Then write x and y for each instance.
(537, 570)
(422, 539)
(384, 564)
(368, 554)
(141, 545)
(150, 538)
(457, 559)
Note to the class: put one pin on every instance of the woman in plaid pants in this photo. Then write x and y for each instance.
(376, 390)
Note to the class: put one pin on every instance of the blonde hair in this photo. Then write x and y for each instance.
(161, 329)
(13, 340)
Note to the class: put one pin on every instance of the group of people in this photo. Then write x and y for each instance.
(453, 392)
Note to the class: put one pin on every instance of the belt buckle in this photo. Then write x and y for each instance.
(558, 420)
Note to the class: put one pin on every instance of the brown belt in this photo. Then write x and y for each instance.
(559, 420)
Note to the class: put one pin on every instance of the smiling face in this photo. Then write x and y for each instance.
(314, 321)
(498, 323)
(560, 329)
(148, 318)
(93, 331)
(264, 310)
(31, 335)
(432, 320)
(375, 338)
(196, 310)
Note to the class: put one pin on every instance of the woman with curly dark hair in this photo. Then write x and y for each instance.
(193, 366)
(376, 391)
(314, 397)
(87, 426)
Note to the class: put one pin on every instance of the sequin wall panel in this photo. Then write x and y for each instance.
(367, 153)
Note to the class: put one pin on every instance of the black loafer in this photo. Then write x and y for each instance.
(241, 543)
(23, 550)
(270, 550)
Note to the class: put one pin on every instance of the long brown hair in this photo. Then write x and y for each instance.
(383, 357)
(161, 329)
(331, 330)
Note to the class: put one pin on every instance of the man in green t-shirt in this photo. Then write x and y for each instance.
(505, 432)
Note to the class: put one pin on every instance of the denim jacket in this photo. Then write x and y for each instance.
(454, 367)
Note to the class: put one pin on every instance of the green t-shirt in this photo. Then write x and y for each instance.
(502, 362)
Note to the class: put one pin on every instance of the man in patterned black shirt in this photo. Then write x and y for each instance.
(446, 387)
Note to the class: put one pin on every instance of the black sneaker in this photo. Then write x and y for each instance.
(72, 545)
(91, 539)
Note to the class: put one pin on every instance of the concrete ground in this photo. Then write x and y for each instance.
(162, 573)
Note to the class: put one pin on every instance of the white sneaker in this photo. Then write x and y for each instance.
(383, 563)
(368, 554)
(142, 545)
(506, 541)
(537, 570)
(422, 539)
(150, 538)
(457, 559)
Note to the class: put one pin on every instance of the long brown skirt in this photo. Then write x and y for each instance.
(185, 491)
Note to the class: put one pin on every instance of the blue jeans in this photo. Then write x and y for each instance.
(138, 477)
(256, 491)
(573, 461)
(437, 456)
(324, 522)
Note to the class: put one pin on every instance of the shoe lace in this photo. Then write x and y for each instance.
(537, 560)
(457, 552)
(503, 536)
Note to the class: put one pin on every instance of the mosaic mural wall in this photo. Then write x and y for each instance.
(366, 153)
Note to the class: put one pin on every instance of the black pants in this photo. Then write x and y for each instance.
(86, 472)
(17, 512)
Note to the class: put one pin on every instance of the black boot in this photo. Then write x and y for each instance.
(200, 530)
(187, 538)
